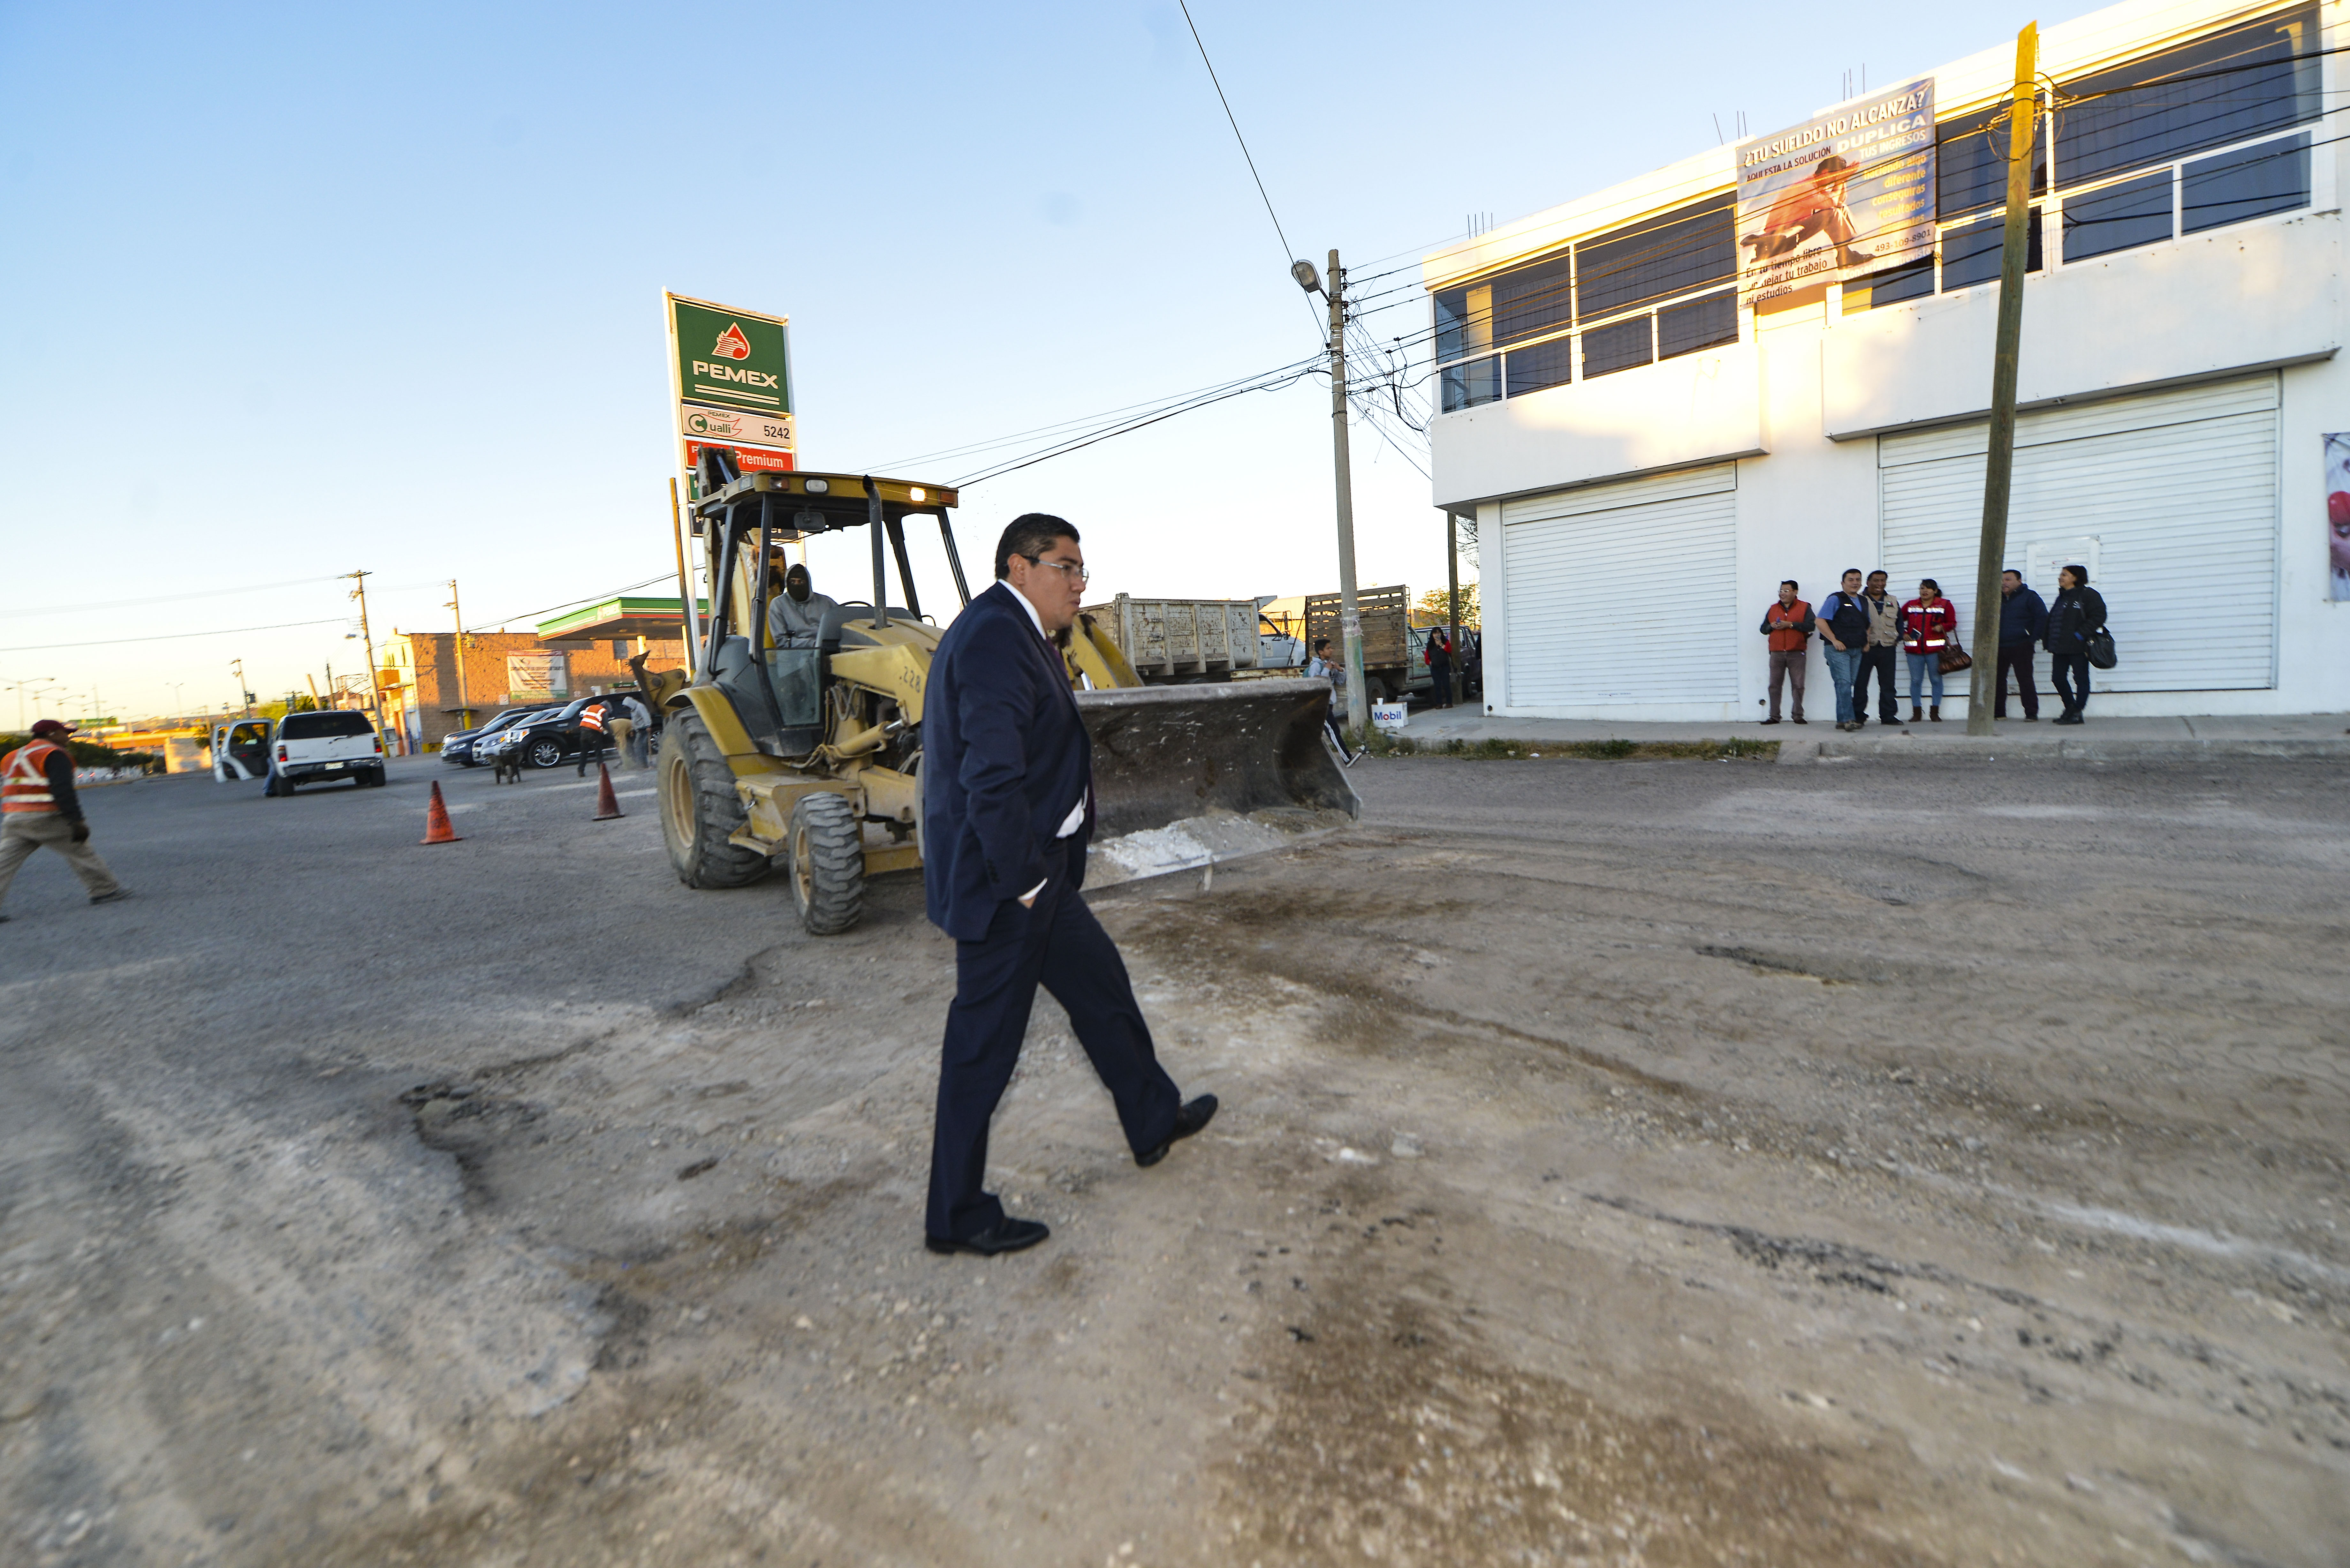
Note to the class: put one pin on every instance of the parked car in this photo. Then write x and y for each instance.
(308, 748)
(240, 750)
(549, 738)
(459, 746)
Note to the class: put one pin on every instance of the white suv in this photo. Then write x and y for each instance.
(338, 745)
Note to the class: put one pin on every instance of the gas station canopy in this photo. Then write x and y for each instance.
(619, 617)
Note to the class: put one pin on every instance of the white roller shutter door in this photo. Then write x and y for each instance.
(2168, 498)
(1618, 593)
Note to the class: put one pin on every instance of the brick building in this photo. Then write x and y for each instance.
(421, 689)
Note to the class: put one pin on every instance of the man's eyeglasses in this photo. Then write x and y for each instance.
(1077, 573)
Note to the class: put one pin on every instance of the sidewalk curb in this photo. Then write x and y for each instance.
(2073, 749)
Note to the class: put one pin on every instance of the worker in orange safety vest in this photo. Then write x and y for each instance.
(38, 809)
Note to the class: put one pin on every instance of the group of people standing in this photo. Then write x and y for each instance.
(1861, 625)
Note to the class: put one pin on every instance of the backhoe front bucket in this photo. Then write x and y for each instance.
(1165, 753)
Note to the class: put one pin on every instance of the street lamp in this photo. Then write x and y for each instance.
(19, 686)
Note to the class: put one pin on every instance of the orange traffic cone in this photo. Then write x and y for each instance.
(608, 805)
(436, 820)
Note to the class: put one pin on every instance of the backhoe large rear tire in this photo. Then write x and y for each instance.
(700, 810)
(825, 851)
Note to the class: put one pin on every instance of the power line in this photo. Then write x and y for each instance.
(168, 599)
(173, 636)
(1079, 424)
(1288, 256)
(1271, 381)
(666, 576)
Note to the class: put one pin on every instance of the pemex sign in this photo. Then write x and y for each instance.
(730, 381)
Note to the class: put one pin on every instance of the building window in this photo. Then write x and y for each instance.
(1550, 364)
(1464, 321)
(1657, 258)
(2118, 217)
(2225, 87)
(1621, 347)
(1533, 301)
(1701, 324)
(1970, 251)
(1652, 266)
(1467, 385)
(1971, 162)
(2249, 182)
(1911, 280)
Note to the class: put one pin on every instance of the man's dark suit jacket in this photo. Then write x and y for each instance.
(1004, 756)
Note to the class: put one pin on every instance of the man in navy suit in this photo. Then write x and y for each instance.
(1008, 806)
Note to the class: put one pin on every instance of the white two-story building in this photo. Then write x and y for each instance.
(1647, 457)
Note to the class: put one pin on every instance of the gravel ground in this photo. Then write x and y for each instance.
(1655, 1163)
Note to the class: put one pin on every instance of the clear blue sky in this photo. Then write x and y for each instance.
(291, 291)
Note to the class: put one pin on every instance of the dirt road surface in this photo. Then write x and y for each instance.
(1620, 1163)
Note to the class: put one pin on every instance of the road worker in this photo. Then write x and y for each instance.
(38, 809)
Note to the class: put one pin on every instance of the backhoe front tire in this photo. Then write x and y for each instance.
(700, 811)
(827, 854)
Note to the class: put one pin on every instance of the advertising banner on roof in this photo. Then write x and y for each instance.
(730, 381)
(1838, 197)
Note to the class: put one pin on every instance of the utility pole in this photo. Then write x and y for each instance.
(1460, 682)
(242, 695)
(1999, 467)
(690, 622)
(1350, 613)
(367, 642)
(464, 713)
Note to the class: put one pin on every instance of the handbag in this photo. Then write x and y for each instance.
(2100, 649)
(1955, 658)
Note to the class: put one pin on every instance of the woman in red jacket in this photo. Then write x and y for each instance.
(1928, 625)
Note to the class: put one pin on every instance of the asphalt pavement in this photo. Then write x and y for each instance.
(1899, 1162)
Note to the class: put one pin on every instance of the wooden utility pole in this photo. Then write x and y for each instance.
(367, 642)
(242, 694)
(688, 623)
(1350, 611)
(457, 652)
(1998, 465)
(1453, 603)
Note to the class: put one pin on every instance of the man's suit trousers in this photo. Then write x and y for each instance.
(1057, 943)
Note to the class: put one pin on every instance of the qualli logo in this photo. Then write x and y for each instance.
(732, 344)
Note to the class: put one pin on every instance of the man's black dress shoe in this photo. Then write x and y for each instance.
(1006, 1235)
(1189, 1120)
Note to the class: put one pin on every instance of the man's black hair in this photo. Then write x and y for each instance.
(1031, 535)
(1320, 643)
(1880, 572)
(1850, 572)
(1791, 583)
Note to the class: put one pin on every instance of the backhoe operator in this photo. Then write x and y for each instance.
(796, 616)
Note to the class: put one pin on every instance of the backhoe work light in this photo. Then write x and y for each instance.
(818, 486)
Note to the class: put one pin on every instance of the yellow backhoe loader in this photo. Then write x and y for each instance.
(810, 758)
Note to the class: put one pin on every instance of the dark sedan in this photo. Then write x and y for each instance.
(549, 738)
(458, 747)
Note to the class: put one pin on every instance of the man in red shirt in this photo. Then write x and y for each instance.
(1788, 624)
(39, 810)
